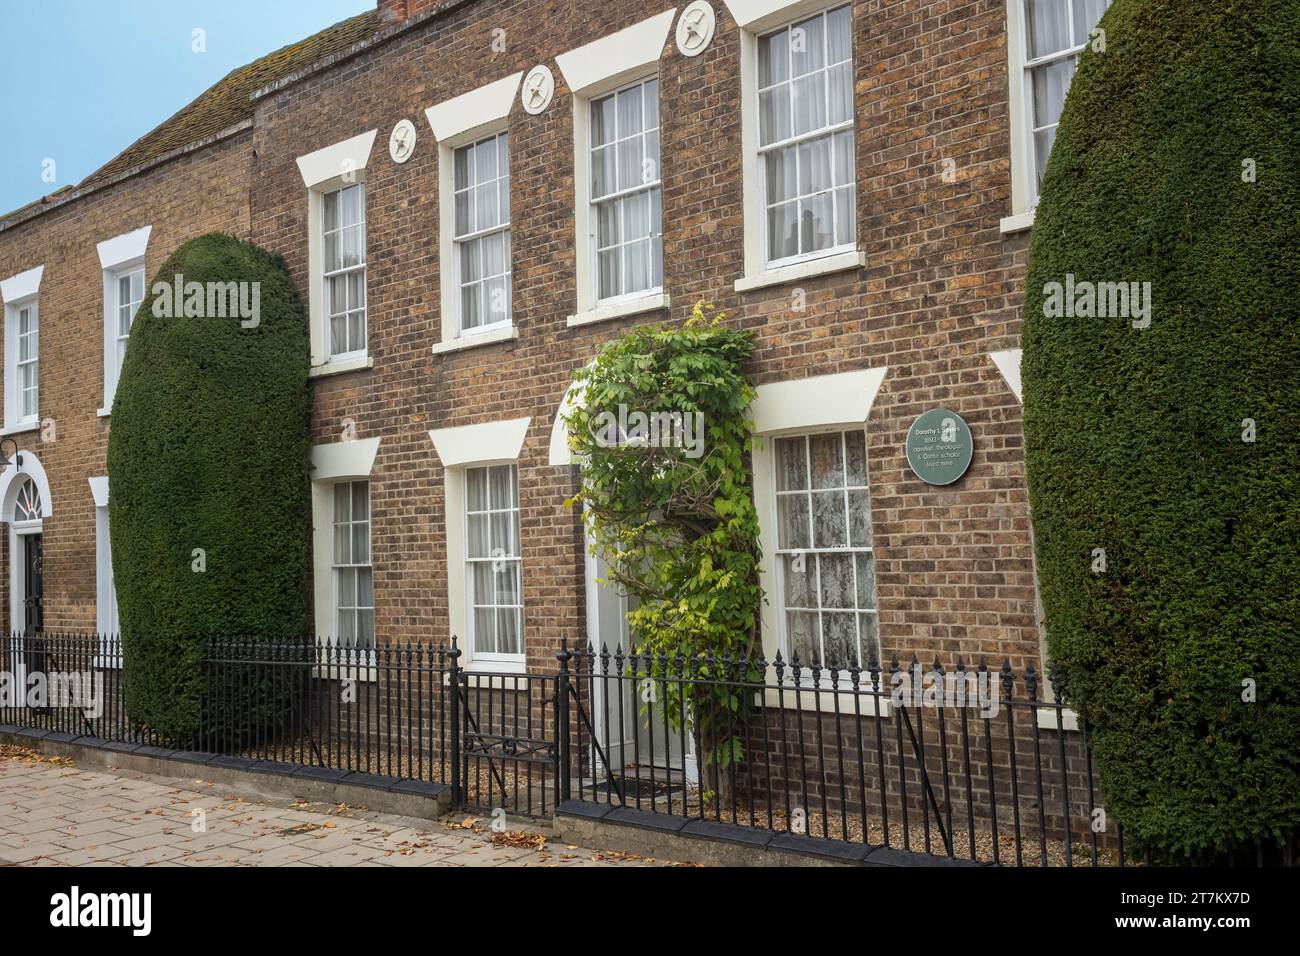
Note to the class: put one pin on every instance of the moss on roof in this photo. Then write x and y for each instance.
(229, 101)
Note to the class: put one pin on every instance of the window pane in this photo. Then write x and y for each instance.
(781, 169)
(829, 530)
(333, 254)
(869, 627)
(1043, 140)
(347, 587)
(783, 231)
(629, 163)
(486, 211)
(477, 530)
(1051, 83)
(839, 35)
(508, 641)
(866, 588)
(496, 300)
(855, 447)
(485, 632)
(835, 573)
(845, 216)
(609, 272)
(839, 80)
(816, 225)
(814, 166)
(360, 501)
(505, 582)
(774, 115)
(809, 103)
(629, 112)
(476, 489)
(799, 573)
(347, 623)
(791, 464)
(839, 639)
(827, 460)
(607, 225)
(485, 161)
(464, 213)
(807, 46)
(460, 163)
(503, 535)
(365, 588)
(1049, 26)
(342, 502)
(650, 95)
(1086, 15)
(602, 121)
(602, 171)
(859, 519)
(361, 544)
(330, 210)
(801, 634)
(124, 290)
(501, 480)
(366, 628)
(350, 206)
(792, 522)
(774, 59)
(471, 267)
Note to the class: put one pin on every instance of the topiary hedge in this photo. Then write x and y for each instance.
(209, 502)
(1166, 523)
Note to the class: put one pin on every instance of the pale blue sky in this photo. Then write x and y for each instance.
(80, 80)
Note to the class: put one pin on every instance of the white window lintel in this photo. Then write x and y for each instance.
(844, 398)
(600, 64)
(462, 117)
(126, 248)
(24, 285)
(340, 159)
(484, 442)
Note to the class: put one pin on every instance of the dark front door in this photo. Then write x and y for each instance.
(33, 594)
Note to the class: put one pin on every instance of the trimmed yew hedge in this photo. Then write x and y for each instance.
(1134, 436)
(209, 449)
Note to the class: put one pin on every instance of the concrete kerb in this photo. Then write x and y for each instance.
(418, 799)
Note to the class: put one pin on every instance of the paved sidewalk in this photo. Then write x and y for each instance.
(53, 814)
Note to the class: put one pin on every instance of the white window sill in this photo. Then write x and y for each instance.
(1046, 717)
(341, 366)
(840, 262)
(471, 341)
(105, 411)
(618, 310)
(20, 428)
(1020, 222)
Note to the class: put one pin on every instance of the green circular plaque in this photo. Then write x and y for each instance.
(939, 447)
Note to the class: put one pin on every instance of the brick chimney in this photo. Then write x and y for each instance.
(396, 11)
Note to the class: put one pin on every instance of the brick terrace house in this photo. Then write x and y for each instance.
(474, 195)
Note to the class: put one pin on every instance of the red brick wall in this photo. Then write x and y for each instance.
(940, 291)
(190, 196)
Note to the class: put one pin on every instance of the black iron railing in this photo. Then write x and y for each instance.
(974, 763)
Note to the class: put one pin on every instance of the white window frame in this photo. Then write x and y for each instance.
(457, 122)
(15, 419)
(592, 71)
(760, 18)
(352, 565)
(457, 241)
(473, 652)
(338, 189)
(821, 403)
(119, 256)
(591, 307)
(1024, 159)
(787, 652)
(324, 171)
(460, 448)
(333, 464)
(112, 322)
(106, 617)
